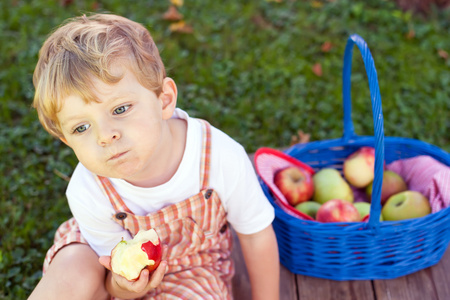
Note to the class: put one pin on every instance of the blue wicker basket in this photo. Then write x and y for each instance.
(361, 250)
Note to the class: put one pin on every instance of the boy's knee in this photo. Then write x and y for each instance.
(78, 271)
(77, 257)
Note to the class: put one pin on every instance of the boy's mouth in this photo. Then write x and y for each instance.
(116, 156)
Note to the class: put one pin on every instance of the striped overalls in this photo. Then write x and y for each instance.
(196, 231)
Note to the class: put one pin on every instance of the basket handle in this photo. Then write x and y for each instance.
(375, 207)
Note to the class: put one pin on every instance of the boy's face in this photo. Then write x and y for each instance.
(123, 134)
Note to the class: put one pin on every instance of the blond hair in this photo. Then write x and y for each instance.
(84, 47)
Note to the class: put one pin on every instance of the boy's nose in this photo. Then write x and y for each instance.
(107, 136)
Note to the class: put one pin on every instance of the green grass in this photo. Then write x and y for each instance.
(246, 68)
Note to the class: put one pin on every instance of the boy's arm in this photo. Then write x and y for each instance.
(260, 252)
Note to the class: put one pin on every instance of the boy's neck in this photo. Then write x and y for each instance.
(167, 164)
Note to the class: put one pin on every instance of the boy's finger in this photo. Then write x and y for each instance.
(140, 284)
(105, 261)
(131, 286)
(158, 274)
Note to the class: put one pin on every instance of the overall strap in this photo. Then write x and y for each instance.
(206, 154)
(114, 197)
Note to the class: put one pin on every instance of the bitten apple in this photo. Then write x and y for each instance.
(329, 184)
(359, 166)
(337, 210)
(406, 205)
(129, 258)
(392, 184)
(295, 184)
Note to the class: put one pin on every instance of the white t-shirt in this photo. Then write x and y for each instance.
(231, 175)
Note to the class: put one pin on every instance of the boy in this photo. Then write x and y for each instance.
(101, 88)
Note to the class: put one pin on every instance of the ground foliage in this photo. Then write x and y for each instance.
(259, 70)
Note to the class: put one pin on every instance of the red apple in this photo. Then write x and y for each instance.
(337, 210)
(129, 258)
(406, 205)
(392, 184)
(359, 166)
(295, 184)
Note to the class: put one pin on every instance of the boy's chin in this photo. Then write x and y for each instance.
(123, 173)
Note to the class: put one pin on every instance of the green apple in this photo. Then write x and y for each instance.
(406, 205)
(392, 184)
(329, 184)
(358, 167)
(309, 207)
(364, 209)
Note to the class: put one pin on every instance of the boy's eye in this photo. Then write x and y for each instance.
(121, 109)
(81, 128)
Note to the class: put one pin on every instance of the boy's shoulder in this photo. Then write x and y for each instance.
(82, 181)
(221, 142)
(228, 156)
(225, 145)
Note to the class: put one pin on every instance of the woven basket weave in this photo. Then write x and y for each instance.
(361, 250)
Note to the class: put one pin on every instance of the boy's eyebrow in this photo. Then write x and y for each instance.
(70, 119)
(122, 97)
(116, 97)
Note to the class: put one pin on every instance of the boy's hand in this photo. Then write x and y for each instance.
(143, 284)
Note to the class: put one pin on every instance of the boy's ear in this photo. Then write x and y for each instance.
(168, 97)
(64, 141)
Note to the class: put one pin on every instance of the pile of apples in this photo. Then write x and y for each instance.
(327, 196)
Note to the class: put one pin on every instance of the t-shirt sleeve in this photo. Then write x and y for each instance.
(248, 209)
(93, 212)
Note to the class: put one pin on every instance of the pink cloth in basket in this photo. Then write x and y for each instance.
(426, 175)
(267, 162)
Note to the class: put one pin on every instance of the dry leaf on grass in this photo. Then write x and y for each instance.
(326, 46)
(178, 3)
(300, 138)
(65, 3)
(317, 69)
(411, 34)
(259, 21)
(316, 4)
(172, 14)
(181, 27)
(443, 54)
